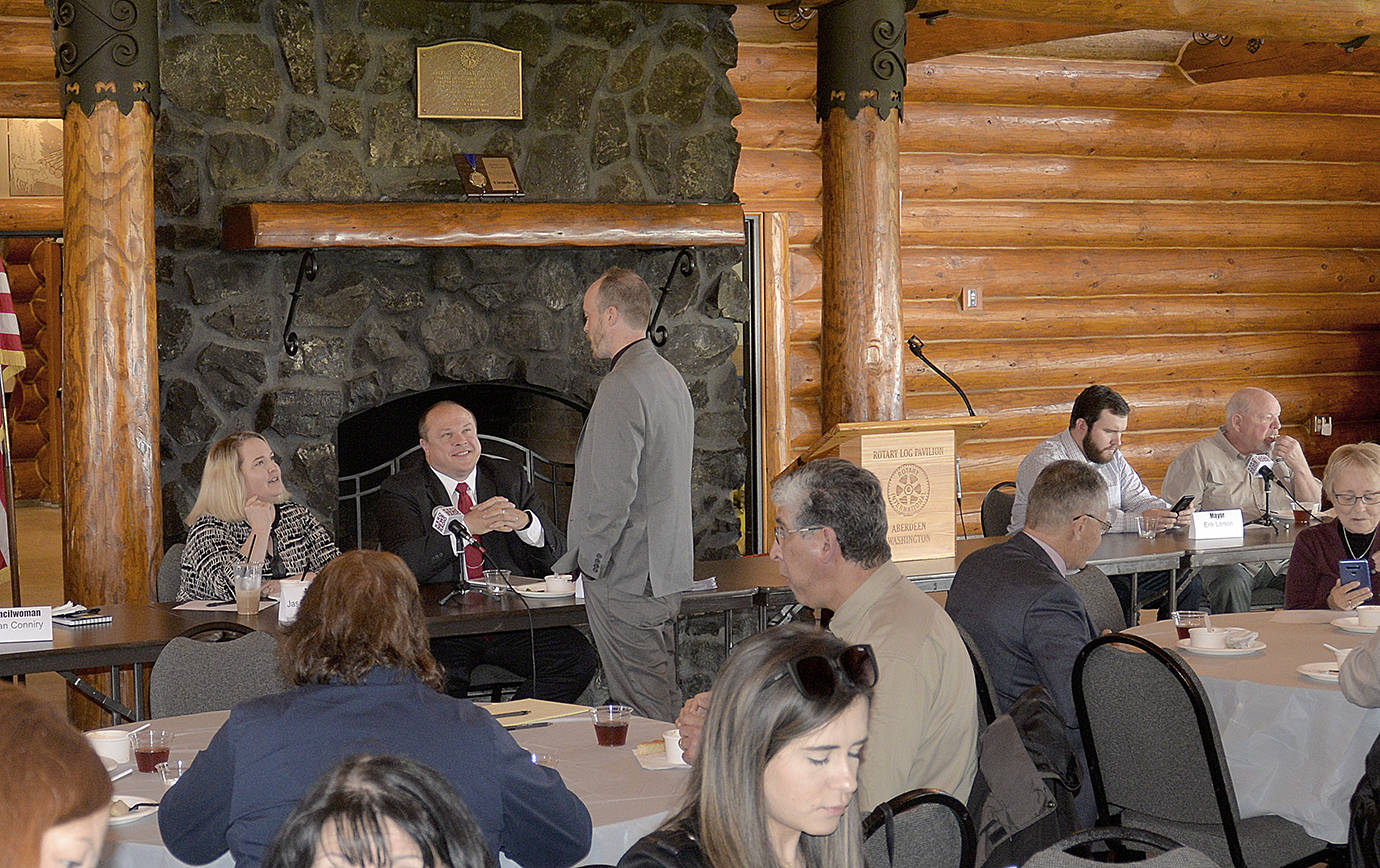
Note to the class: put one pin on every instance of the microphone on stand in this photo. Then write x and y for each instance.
(1262, 465)
(449, 521)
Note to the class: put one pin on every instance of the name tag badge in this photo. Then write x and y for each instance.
(26, 624)
(1216, 524)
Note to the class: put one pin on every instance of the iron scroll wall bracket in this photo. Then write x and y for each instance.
(306, 268)
(685, 264)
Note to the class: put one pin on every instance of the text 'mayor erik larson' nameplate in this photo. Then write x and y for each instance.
(463, 79)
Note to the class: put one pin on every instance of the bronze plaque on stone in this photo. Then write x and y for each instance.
(472, 80)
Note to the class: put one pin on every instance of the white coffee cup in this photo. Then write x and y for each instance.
(1207, 637)
(110, 743)
(674, 755)
(560, 583)
(1368, 616)
(290, 593)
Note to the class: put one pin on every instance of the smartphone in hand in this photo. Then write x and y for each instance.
(1357, 570)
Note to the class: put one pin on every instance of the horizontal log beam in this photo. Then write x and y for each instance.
(288, 225)
(30, 99)
(1015, 129)
(36, 214)
(1006, 223)
(1123, 317)
(934, 273)
(1144, 46)
(1215, 62)
(953, 34)
(28, 54)
(782, 174)
(1311, 20)
(987, 365)
(24, 8)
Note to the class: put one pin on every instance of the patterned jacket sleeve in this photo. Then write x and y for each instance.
(306, 533)
(213, 548)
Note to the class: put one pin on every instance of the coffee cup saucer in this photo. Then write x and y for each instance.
(1187, 645)
(1352, 624)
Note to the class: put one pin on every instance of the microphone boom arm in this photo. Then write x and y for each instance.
(917, 347)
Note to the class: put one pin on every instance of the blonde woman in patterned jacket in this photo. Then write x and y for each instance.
(242, 515)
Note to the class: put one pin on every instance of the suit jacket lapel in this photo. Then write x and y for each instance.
(434, 489)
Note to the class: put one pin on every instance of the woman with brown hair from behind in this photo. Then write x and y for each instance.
(55, 793)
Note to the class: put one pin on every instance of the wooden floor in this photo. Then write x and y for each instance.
(38, 540)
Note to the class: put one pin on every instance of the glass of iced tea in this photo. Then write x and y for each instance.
(1187, 620)
(611, 724)
(150, 748)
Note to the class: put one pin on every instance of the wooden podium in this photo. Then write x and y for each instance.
(915, 461)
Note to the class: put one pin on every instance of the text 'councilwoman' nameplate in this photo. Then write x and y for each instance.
(465, 79)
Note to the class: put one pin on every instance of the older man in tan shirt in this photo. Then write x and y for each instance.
(1214, 471)
(831, 544)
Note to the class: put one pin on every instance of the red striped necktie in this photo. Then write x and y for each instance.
(474, 558)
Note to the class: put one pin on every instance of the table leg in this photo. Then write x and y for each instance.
(1135, 599)
(110, 704)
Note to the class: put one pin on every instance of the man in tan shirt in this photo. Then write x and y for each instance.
(832, 548)
(1214, 471)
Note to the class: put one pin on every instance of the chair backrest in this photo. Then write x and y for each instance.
(1150, 737)
(1099, 598)
(986, 691)
(996, 508)
(191, 676)
(1161, 852)
(169, 574)
(919, 829)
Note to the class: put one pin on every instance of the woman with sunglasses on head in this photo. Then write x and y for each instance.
(243, 515)
(778, 763)
(1352, 482)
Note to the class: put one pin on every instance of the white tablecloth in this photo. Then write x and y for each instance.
(624, 800)
(1295, 747)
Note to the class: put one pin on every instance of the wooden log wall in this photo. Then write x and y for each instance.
(34, 267)
(28, 88)
(1123, 226)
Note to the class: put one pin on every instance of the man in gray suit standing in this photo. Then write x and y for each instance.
(629, 533)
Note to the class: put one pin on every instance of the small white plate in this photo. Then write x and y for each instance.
(539, 592)
(134, 815)
(1185, 645)
(1326, 672)
(1352, 624)
(658, 762)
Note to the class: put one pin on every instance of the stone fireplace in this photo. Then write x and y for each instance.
(311, 100)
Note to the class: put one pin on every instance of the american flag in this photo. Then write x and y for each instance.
(11, 363)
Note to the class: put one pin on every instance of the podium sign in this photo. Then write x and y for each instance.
(916, 470)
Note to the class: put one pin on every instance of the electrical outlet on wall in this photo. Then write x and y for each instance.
(1322, 425)
(970, 298)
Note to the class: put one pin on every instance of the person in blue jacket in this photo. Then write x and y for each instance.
(365, 683)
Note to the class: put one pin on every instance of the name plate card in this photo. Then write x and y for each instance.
(26, 624)
(1219, 524)
(470, 80)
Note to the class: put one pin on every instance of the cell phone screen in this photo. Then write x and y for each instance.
(1357, 570)
(1182, 503)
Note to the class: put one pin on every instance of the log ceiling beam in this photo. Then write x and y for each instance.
(1205, 64)
(1290, 20)
(928, 38)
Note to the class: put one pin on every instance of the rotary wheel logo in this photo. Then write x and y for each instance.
(908, 489)
(469, 58)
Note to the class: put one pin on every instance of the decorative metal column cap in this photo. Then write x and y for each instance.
(106, 50)
(862, 56)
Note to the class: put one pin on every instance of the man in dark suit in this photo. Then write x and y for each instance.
(1027, 620)
(503, 512)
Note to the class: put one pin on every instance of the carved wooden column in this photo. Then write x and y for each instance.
(107, 63)
(862, 73)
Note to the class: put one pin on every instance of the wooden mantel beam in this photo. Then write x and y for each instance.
(1294, 20)
(298, 225)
